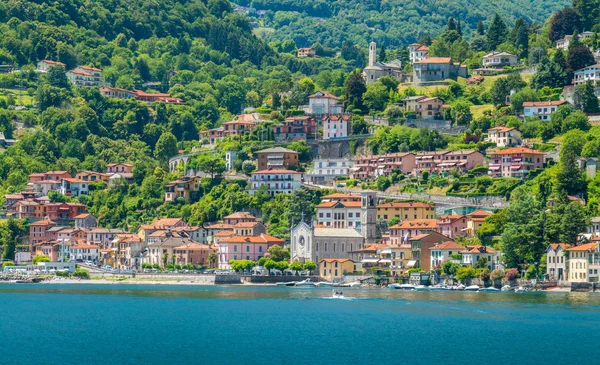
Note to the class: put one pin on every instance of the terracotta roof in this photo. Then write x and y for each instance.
(341, 196)
(90, 68)
(448, 245)
(335, 260)
(240, 215)
(584, 247)
(193, 246)
(50, 62)
(501, 129)
(82, 216)
(224, 234)
(544, 103)
(320, 226)
(479, 250)
(245, 224)
(76, 181)
(275, 171)
(517, 150)
(83, 73)
(84, 246)
(276, 150)
(325, 94)
(417, 223)
(418, 237)
(405, 205)
(372, 247)
(220, 226)
(435, 60)
(334, 203)
(140, 93)
(44, 222)
(479, 213)
(166, 222)
(555, 246)
(13, 196)
(263, 238)
(118, 164)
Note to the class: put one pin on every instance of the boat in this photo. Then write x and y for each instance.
(406, 287)
(439, 287)
(355, 284)
(505, 288)
(472, 288)
(337, 294)
(421, 288)
(521, 290)
(489, 289)
(395, 286)
(459, 287)
(323, 283)
(305, 283)
(289, 283)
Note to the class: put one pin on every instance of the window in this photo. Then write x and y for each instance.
(247, 248)
(259, 248)
(234, 248)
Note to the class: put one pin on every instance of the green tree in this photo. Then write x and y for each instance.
(278, 253)
(40, 258)
(589, 99)
(497, 32)
(355, 88)
(464, 274)
(56, 77)
(548, 73)
(310, 266)
(460, 112)
(296, 266)
(166, 147)
(383, 182)
(210, 164)
(376, 96)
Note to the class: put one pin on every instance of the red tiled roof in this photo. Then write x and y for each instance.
(417, 223)
(517, 150)
(544, 103)
(448, 245)
(435, 60)
(275, 171)
(405, 205)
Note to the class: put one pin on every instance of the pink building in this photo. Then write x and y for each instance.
(369, 167)
(295, 128)
(336, 126)
(452, 226)
(515, 162)
(245, 248)
(399, 233)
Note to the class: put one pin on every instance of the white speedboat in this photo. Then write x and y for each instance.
(421, 288)
(505, 288)
(355, 284)
(489, 289)
(472, 288)
(439, 287)
(459, 287)
(305, 283)
(324, 284)
(407, 287)
(289, 283)
(337, 294)
(521, 290)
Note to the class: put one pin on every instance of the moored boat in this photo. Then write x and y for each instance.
(421, 288)
(355, 284)
(505, 288)
(472, 288)
(490, 289)
(324, 284)
(521, 290)
(305, 283)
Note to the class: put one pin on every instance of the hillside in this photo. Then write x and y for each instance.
(391, 22)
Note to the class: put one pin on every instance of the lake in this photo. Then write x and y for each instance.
(168, 324)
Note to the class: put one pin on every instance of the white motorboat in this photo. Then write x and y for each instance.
(337, 294)
(395, 286)
(305, 283)
(324, 284)
(505, 288)
(489, 289)
(459, 287)
(439, 287)
(521, 290)
(421, 288)
(472, 288)
(355, 284)
(406, 287)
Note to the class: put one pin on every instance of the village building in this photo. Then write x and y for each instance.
(192, 253)
(245, 247)
(335, 127)
(186, 188)
(443, 252)
(590, 73)
(102, 236)
(424, 107)
(85, 252)
(400, 233)
(332, 270)
(417, 52)
(504, 136)
(315, 243)
(453, 226)
(349, 211)
(375, 70)
(115, 92)
(324, 103)
(498, 60)
(437, 69)
(44, 66)
(583, 262)
(556, 261)
(129, 249)
(541, 109)
(295, 129)
(326, 170)
(276, 181)
(85, 220)
(421, 245)
(405, 211)
(475, 220)
(276, 158)
(74, 187)
(478, 255)
(564, 42)
(515, 162)
(306, 52)
(370, 167)
(38, 231)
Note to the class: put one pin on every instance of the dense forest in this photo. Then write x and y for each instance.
(392, 22)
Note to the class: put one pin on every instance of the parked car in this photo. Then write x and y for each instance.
(89, 263)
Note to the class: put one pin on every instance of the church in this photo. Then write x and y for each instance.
(321, 242)
(375, 69)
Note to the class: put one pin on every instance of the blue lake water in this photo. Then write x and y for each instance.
(165, 324)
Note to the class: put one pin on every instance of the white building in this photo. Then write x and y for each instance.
(472, 254)
(504, 136)
(541, 109)
(324, 103)
(590, 73)
(314, 244)
(325, 170)
(277, 181)
(556, 261)
(85, 252)
(102, 236)
(566, 41)
(44, 65)
(229, 158)
(85, 76)
(115, 92)
(417, 52)
(74, 187)
(443, 252)
(376, 69)
(335, 126)
(499, 60)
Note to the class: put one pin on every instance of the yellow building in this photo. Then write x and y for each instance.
(405, 211)
(584, 262)
(475, 220)
(332, 269)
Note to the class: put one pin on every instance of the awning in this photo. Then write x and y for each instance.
(370, 261)
(385, 261)
(411, 263)
(494, 168)
(516, 167)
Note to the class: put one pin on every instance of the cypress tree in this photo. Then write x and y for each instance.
(496, 33)
(480, 28)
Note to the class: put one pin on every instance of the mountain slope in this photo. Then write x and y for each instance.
(393, 22)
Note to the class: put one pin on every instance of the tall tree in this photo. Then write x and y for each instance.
(564, 22)
(497, 32)
(480, 28)
(589, 98)
(589, 10)
(166, 147)
(355, 88)
(548, 73)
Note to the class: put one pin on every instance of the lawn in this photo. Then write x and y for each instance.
(478, 110)
(20, 96)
